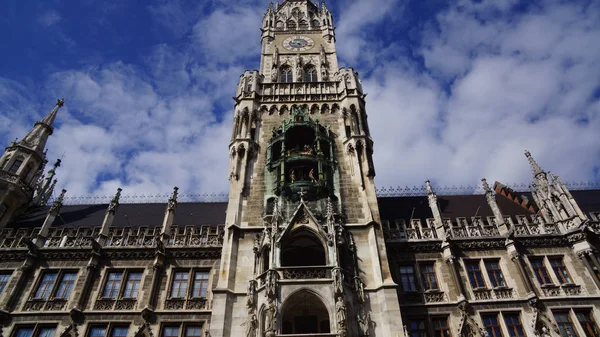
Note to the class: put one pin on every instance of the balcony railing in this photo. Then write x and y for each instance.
(305, 273)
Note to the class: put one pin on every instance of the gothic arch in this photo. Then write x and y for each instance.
(284, 110)
(314, 109)
(335, 108)
(303, 312)
(291, 24)
(310, 73)
(286, 75)
(315, 24)
(273, 110)
(302, 247)
(303, 25)
(279, 24)
(324, 108)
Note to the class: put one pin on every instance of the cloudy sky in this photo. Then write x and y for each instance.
(457, 89)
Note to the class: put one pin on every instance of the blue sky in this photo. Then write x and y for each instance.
(457, 89)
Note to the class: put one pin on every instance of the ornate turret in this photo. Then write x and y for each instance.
(21, 166)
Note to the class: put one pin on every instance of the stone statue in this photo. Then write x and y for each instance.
(271, 283)
(340, 309)
(364, 323)
(251, 326)
(251, 294)
(337, 281)
(270, 316)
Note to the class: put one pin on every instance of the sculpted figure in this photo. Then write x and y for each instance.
(271, 316)
(337, 281)
(252, 326)
(340, 308)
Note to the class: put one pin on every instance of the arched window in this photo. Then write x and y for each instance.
(302, 249)
(286, 75)
(304, 313)
(279, 24)
(16, 165)
(291, 24)
(315, 24)
(310, 75)
(303, 25)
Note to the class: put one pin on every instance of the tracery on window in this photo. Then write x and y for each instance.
(310, 74)
(286, 75)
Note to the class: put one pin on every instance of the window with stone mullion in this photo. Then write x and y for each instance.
(540, 271)
(177, 330)
(108, 330)
(440, 327)
(429, 277)
(513, 324)
(565, 324)
(585, 318)
(408, 278)
(492, 325)
(475, 274)
(35, 331)
(560, 270)
(495, 273)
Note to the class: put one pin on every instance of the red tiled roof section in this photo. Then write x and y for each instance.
(516, 197)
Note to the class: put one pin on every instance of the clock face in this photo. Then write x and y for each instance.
(298, 43)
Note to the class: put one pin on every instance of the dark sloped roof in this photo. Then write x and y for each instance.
(392, 208)
(589, 201)
(128, 215)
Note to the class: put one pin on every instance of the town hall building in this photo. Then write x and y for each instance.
(304, 244)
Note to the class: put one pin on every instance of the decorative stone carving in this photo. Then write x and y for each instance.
(338, 279)
(251, 325)
(340, 309)
(270, 316)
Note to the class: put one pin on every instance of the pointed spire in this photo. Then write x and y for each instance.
(534, 166)
(430, 190)
(49, 119)
(486, 186)
(173, 200)
(58, 202)
(114, 203)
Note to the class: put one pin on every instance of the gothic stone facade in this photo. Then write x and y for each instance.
(303, 246)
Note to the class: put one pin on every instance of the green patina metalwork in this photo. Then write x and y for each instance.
(301, 155)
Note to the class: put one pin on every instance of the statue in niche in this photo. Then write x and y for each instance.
(364, 323)
(251, 325)
(271, 283)
(270, 316)
(251, 294)
(337, 281)
(340, 309)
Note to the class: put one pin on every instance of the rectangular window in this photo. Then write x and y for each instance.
(492, 325)
(540, 271)
(46, 285)
(475, 275)
(417, 328)
(513, 324)
(132, 286)
(15, 166)
(407, 278)
(180, 282)
(560, 270)
(35, 331)
(588, 323)
(440, 327)
(193, 331)
(565, 324)
(200, 284)
(4, 277)
(66, 285)
(113, 284)
(495, 273)
(112, 330)
(171, 331)
(429, 278)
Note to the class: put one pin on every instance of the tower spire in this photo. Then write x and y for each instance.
(37, 137)
(534, 165)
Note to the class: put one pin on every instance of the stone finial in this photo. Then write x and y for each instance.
(173, 200)
(430, 190)
(486, 186)
(60, 102)
(534, 165)
(58, 202)
(114, 203)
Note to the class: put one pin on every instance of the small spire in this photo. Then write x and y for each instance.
(430, 190)
(173, 200)
(486, 186)
(534, 166)
(49, 119)
(58, 202)
(114, 203)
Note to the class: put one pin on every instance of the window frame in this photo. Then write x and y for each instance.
(413, 283)
(289, 75)
(419, 332)
(20, 161)
(311, 75)
(541, 268)
(589, 323)
(475, 272)
(191, 283)
(182, 328)
(512, 327)
(493, 273)
(35, 329)
(560, 271)
(427, 276)
(56, 286)
(498, 324)
(443, 329)
(109, 327)
(123, 282)
(569, 321)
(8, 275)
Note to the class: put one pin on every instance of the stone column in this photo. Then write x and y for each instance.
(85, 286)
(435, 209)
(452, 261)
(517, 259)
(149, 301)
(169, 217)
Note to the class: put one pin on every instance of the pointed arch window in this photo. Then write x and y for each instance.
(316, 24)
(291, 24)
(286, 75)
(303, 25)
(15, 166)
(310, 75)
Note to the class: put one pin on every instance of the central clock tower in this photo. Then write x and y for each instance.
(303, 251)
